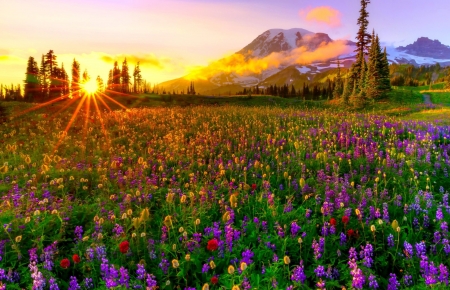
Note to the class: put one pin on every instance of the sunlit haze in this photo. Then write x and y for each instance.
(172, 37)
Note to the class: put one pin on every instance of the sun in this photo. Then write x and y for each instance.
(90, 87)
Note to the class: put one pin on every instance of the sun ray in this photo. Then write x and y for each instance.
(101, 120)
(72, 119)
(114, 101)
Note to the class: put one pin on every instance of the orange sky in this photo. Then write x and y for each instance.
(169, 37)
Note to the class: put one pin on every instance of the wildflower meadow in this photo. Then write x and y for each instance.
(224, 197)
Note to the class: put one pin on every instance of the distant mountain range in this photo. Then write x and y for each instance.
(294, 57)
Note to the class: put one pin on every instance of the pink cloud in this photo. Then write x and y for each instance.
(322, 14)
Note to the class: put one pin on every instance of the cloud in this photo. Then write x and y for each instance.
(322, 14)
(11, 59)
(145, 60)
(238, 63)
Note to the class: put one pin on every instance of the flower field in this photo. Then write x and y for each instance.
(223, 198)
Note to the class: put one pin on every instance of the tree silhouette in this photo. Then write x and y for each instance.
(31, 88)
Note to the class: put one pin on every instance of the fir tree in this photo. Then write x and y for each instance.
(52, 72)
(125, 75)
(116, 77)
(43, 83)
(100, 84)
(31, 93)
(137, 79)
(363, 40)
(109, 83)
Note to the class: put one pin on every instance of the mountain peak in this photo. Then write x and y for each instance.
(283, 40)
(426, 47)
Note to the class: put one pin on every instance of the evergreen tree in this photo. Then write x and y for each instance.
(75, 85)
(363, 40)
(31, 93)
(100, 84)
(43, 82)
(125, 77)
(339, 86)
(116, 77)
(52, 72)
(347, 91)
(109, 83)
(86, 77)
(385, 79)
(137, 79)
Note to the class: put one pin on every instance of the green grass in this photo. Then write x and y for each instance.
(440, 98)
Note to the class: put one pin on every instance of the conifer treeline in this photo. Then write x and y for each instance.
(119, 80)
(49, 81)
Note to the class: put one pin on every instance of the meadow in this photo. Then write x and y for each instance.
(224, 197)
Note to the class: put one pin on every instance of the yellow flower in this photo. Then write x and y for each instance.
(205, 286)
(197, 222)
(235, 287)
(18, 239)
(286, 260)
(212, 264)
(372, 228)
(175, 263)
(230, 269)
(394, 225)
(243, 266)
(187, 257)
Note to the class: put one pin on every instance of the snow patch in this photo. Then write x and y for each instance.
(303, 69)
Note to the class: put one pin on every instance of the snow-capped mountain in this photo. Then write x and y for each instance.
(281, 45)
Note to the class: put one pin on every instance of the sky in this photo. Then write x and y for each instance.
(171, 37)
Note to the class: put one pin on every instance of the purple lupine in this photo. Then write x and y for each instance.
(367, 254)
(352, 254)
(38, 278)
(78, 233)
(151, 281)
(124, 277)
(408, 249)
(140, 272)
(373, 284)
(320, 271)
(205, 268)
(390, 241)
(73, 284)
(421, 249)
(385, 213)
(48, 256)
(295, 228)
(298, 275)
(343, 239)
(52, 283)
(246, 284)
(446, 244)
(436, 237)
(88, 283)
(443, 274)
(358, 279)
(318, 248)
(393, 284)
(439, 214)
(247, 256)
(408, 280)
(2, 247)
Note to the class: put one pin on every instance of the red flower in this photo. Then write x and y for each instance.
(351, 233)
(76, 259)
(333, 221)
(254, 186)
(212, 245)
(214, 280)
(345, 219)
(124, 246)
(65, 263)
